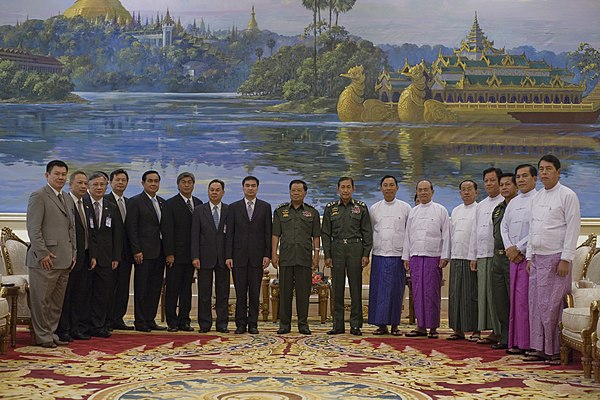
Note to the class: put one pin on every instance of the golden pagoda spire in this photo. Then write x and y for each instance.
(253, 25)
(92, 9)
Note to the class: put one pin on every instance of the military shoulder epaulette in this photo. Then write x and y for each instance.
(282, 205)
(360, 203)
(331, 203)
(310, 205)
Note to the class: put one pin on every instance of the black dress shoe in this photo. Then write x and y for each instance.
(143, 329)
(80, 336)
(253, 330)
(122, 327)
(172, 329)
(336, 331)
(156, 327)
(223, 330)
(355, 331)
(203, 330)
(305, 331)
(104, 333)
(240, 330)
(48, 345)
(186, 328)
(499, 346)
(65, 337)
(60, 343)
(282, 331)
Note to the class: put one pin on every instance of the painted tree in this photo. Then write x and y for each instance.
(587, 60)
(341, 6)
(258, 52)
(314, 6)
(271, 44)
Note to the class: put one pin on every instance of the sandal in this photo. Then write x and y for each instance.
(552, 360)
(415, 333)
(474, 338)
(486, 341)
(455, 336)
(534, 358)
(515, 351)
(380, 331)
(396, 332)
(433, 335)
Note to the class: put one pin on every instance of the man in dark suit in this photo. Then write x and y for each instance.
(143, 230)
(75, 309)
(176, 230)
(51, 230)
(119, 179)
(208, 257)
(248, 252)
(106, 245)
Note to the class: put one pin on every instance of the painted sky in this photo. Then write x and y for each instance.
(557, 25)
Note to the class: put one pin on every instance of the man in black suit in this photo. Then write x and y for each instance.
(119, 180)
(208, 257)
(143, 231)
(247, 252)
(176, 230)
(75, 309)
(106, 245)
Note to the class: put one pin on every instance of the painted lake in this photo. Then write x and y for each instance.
(222, 136)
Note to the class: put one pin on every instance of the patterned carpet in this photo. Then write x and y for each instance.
(268, 366)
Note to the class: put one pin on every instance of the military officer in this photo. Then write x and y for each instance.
(347, 241)
(298, 226)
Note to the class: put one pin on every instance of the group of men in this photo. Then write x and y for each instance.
(509, 255)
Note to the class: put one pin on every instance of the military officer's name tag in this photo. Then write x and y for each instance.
(307, 214)
(108, 222)
(225, 228)
(91, 222)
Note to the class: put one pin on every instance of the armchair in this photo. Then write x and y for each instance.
(596, 346)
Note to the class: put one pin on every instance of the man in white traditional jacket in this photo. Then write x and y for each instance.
(481, 252)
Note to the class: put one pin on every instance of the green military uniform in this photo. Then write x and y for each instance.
(296, 228)
(347, 236)
(500, 274)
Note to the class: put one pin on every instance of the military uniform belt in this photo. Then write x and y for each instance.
(500, 252)
(347, 241)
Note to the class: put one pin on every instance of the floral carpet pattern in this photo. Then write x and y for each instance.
(268, 366)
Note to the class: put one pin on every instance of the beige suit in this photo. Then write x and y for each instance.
(51, 229)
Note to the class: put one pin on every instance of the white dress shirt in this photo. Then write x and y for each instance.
(515, 223)
(482, 235)
(427, 232)
(461, 227)
(555, 223)
(389, 226)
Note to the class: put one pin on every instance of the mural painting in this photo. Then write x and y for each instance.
(299, 89)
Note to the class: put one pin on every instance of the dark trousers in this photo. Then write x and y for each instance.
(347, 262)
(205, 284)
(179, 293)
(102, 287)
(501, 293)
(300, 278)
(147, 284)
(121, 282)
(75, 313)
(247, 280)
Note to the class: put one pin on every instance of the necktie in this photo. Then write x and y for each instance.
(156, 208)
(189, 204)
(249, 209)
(83, 220)
(121, 205)
(216, 216)
(62, 200)
(97, 212)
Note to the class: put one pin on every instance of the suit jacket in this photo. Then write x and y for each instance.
(80, 232)
(247, 242)
(177, 228)
(51, 228)
(106, 235)
(208, 242)
(126, 256)
(143, 226)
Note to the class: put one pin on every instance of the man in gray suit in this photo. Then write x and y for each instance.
(51, 230)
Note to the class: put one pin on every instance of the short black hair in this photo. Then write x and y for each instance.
(386, 177)
(75, 173)
(467, 180)
(301, 182)
(250, 178)
(551, 159)
(219, 182)
(345, 178)
(148, 173)
(185, 175)
(509, 175)
(498, 172)
(56, 163)
(98, 174)
(532, 169)
(118, 171)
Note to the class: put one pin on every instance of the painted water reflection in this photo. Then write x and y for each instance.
(222, 136)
